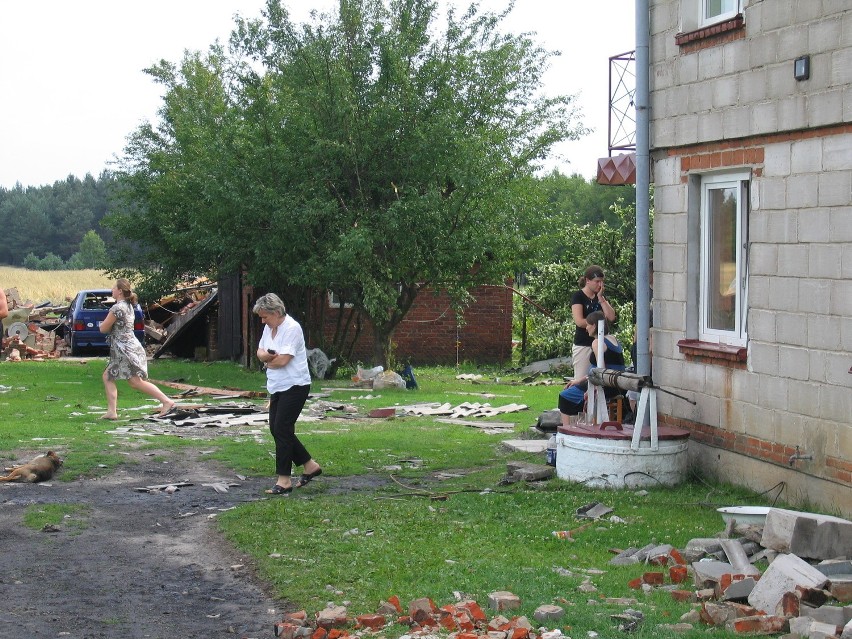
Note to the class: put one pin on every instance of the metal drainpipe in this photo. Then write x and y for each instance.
(643, 179)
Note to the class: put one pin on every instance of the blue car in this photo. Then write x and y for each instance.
(84, 316)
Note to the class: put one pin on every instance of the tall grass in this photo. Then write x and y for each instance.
(55, 286)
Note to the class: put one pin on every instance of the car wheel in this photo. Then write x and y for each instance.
(75, 350)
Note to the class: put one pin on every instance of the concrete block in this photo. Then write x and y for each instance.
(806, 156)
(739, 589)
(737, 557)
(835, 615)
(847, 631)
(834, 188)
(805, 626)
(548, 612)
(807, 534)
(708, 573)
(784, 574)
(503, 600)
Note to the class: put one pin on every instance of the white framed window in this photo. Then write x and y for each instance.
(696, 14)
(334, 301)
(723, 293)
(713, 11)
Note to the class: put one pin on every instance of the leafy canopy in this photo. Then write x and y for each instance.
(373, 152)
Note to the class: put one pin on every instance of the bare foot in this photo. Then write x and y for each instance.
(109, 416)
(166, 409)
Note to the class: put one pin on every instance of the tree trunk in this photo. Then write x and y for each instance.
(381, 345)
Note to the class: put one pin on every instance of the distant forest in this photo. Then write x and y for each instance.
(52, 220)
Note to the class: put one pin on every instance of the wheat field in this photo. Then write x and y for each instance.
(54, 286)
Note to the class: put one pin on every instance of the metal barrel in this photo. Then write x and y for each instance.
(619, 379)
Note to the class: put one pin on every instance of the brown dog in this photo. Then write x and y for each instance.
(39, 469)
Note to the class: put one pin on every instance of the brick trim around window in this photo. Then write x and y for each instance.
(711, 35)
(721, 354)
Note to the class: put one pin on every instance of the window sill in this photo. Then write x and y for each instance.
(710, 31)
(720, 352)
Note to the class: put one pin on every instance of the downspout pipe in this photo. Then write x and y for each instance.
(643, 184)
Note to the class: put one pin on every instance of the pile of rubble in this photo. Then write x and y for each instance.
(803, 598)
(809, 574)
(29, 331)
(463, 620)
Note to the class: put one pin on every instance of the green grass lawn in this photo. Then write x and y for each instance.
(409, 534)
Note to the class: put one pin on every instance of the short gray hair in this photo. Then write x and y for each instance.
(270, 303)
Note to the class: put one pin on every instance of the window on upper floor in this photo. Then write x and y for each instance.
(717, 10)
(696, 14)
(724, 251)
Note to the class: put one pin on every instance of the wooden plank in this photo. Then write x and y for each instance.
(203, 390)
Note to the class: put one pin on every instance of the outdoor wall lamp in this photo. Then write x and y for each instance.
(802, 67)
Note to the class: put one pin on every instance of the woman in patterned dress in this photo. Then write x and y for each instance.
(127, 358)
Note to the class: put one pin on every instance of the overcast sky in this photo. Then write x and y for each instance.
(73, 87)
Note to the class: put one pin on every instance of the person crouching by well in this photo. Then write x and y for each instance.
(573, 396)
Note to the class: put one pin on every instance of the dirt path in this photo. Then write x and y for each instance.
(143, 565)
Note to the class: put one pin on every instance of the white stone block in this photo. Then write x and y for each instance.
(841, 67)
(824, 261)
(783, 575)
(686, 69)
(686, 129)
(773, 390)
(826, 108)
(763, 358)
(817, 367)
(814, 225)
(804, 399)
(783, 295)
(764, 117)
(761, 325)
(763, 49)
(736, 122)
(793, 112)
(837, 152)
(835, 188)
(806, 156)
(779, 15)
(791, 328)
(773, 193)
(821, 330)
(835, 404)
(841, 298)
(813, 295)
(823, 35)
(777, 159)
(763, 259)
(806, 535)
(803, 190)
(783, 227)
(793, 363)
(723, 91)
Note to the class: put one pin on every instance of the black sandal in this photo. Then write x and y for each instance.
(306, 478)
(279, 490)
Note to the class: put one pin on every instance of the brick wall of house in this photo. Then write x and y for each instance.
(726, 101)
(430, 333)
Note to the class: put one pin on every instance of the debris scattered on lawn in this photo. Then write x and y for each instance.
(166, 488)
(465, 409)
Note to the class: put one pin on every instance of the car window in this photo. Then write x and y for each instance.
(95, 302)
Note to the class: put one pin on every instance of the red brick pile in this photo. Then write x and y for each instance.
(465, 620)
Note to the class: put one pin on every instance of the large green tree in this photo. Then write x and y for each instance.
(374, 152)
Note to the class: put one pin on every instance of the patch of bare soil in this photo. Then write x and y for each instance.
(141, 565)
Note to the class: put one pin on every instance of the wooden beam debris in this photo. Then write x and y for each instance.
(203, 390)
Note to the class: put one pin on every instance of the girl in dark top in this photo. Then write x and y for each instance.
(588, 299)
(573, 396)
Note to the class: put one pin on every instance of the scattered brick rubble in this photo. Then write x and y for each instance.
(800, 595)
(795, 596)
(462, 620)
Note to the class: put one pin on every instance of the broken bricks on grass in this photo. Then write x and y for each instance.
(462, 620)
(802, 591)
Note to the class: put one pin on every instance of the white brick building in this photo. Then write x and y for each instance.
(752, 169)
